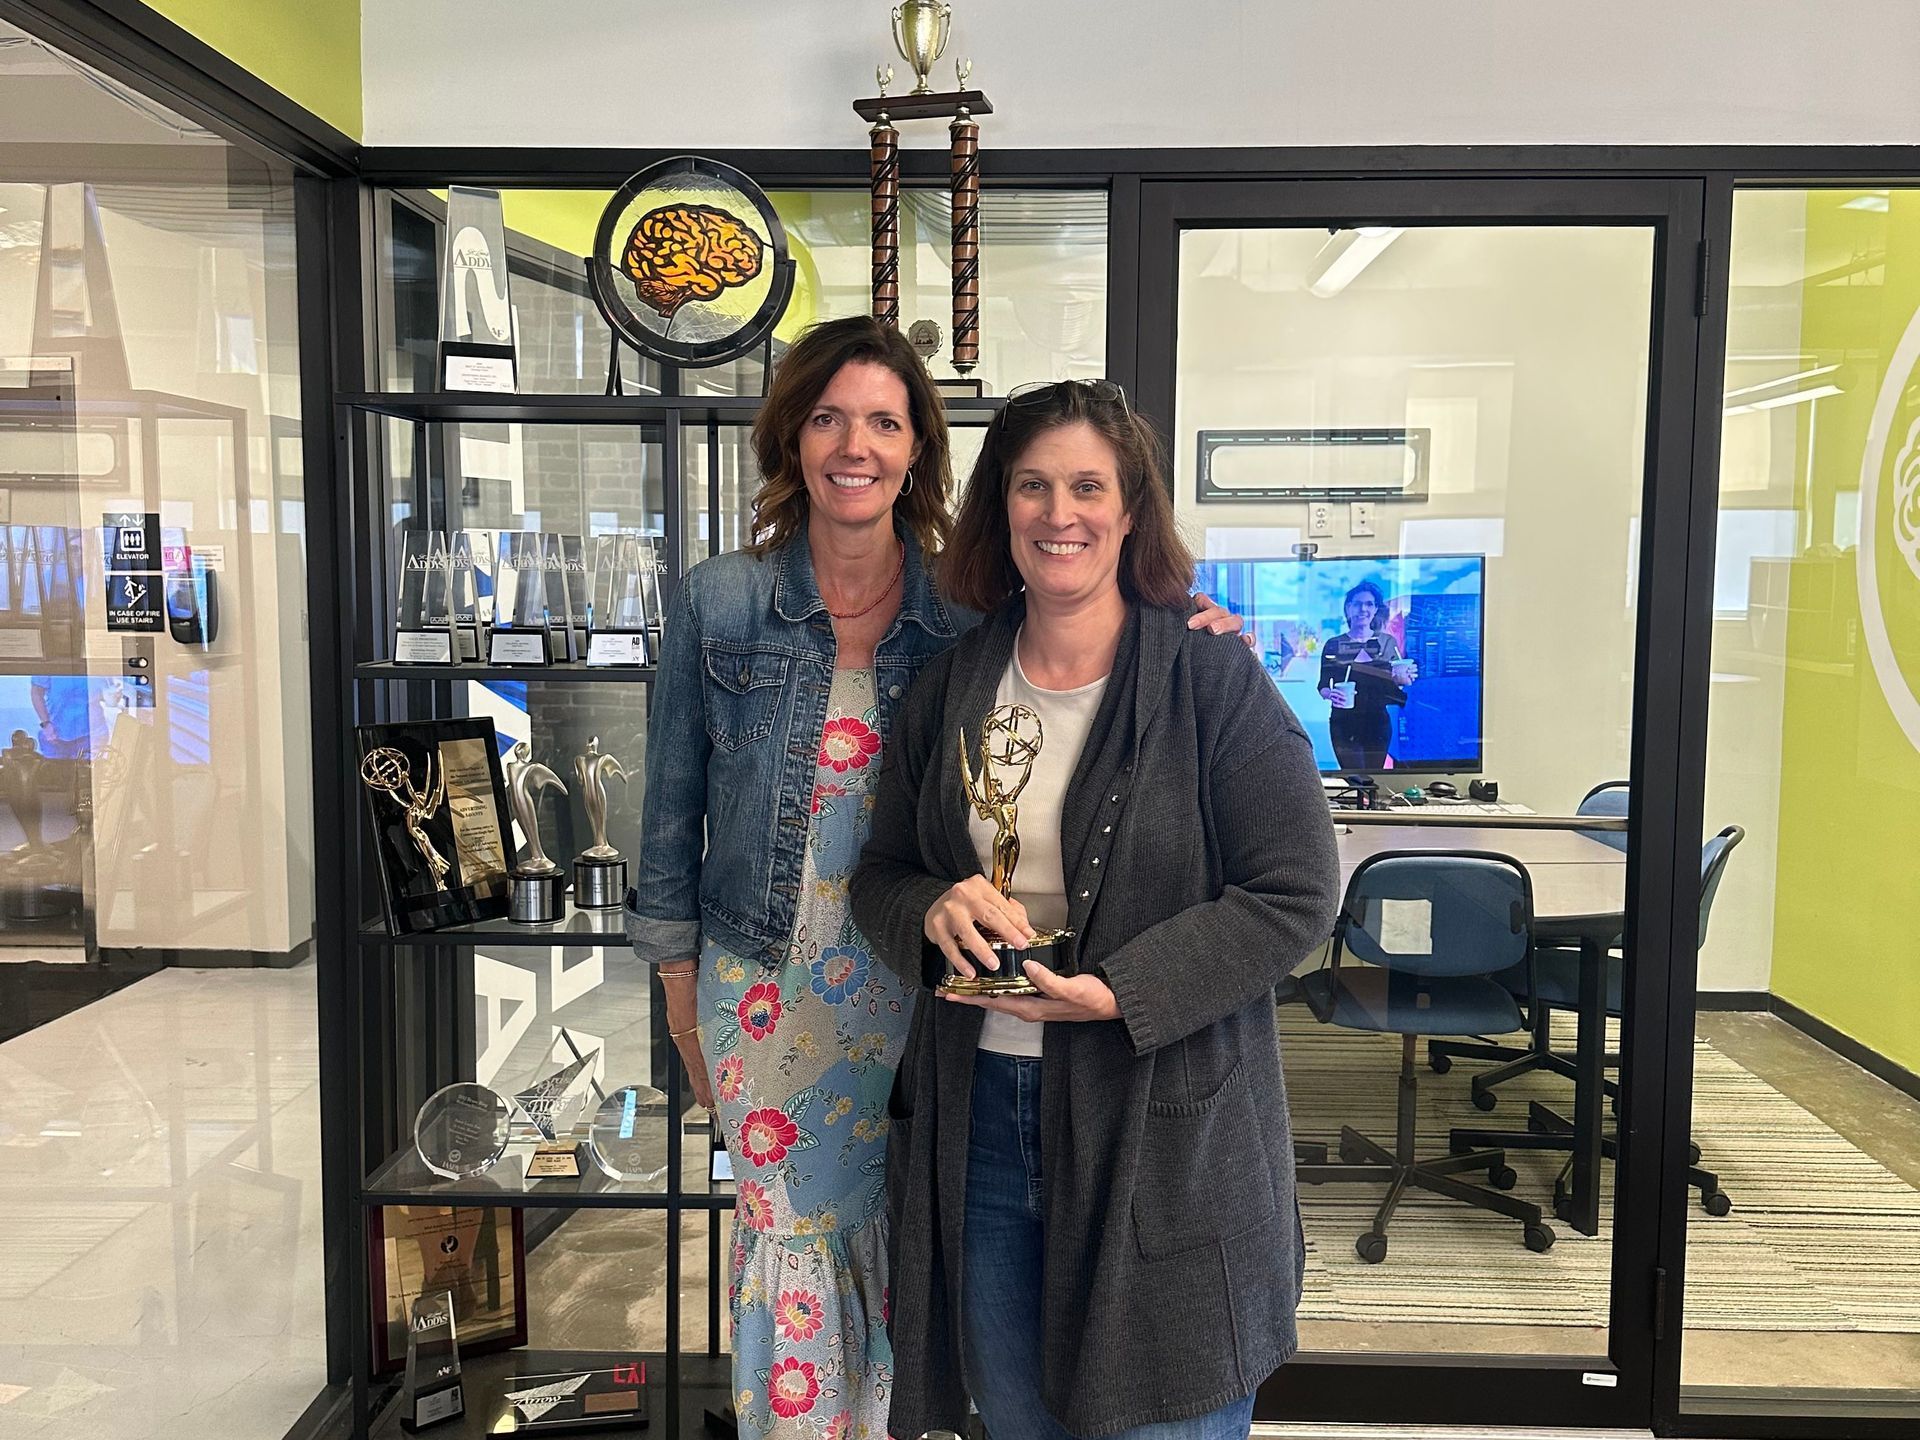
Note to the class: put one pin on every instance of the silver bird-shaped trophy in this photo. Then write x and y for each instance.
(599, 871)
(537, 887)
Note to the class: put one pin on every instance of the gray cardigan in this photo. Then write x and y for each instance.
(1201, 870)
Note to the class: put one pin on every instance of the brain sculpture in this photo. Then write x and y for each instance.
(1906, 500)
(679, 253)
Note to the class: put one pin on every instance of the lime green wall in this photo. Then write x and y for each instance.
(1846, 945)
(308, 50)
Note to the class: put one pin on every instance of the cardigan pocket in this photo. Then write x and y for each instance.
(1203, 1175)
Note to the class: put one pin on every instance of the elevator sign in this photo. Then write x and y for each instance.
(130, 546)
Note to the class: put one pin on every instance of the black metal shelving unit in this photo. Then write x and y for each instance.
(387, 1169)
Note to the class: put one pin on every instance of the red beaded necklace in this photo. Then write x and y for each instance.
(885, 590)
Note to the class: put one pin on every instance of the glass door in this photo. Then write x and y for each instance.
(1433, 439)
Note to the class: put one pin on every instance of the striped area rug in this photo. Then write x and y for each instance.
(1822, 1236)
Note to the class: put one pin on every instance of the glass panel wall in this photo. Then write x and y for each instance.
(159, 1203)
(1449, 425)
(1806, 1101)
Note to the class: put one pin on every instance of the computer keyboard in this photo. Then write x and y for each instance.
(1401, 805)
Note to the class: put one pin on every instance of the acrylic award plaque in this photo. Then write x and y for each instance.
(617, 618)
(463, 596)
(432, 1392)
(553, 566)
(519, 633)
(689, 263)
(573, 558)
(627, 1136)
(476, 315)
(550, 1107)
(461, 1131)
(564, 1401)
(423, 624)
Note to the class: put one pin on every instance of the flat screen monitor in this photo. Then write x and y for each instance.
(1379, 656)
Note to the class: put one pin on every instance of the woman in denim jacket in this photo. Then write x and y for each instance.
(781, 671)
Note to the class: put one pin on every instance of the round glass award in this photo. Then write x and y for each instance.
(628, 1136)
(461, 1131)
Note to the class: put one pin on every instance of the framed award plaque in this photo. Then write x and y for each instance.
(437, 801)
(476, 1253)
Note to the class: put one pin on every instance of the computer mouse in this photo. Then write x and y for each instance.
(1441, 790)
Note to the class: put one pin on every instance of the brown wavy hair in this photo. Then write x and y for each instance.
(811, 362)
(1156, 568)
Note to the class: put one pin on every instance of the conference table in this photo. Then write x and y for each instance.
(1579, 896)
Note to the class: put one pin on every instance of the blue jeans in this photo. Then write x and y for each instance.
(1004, 1246)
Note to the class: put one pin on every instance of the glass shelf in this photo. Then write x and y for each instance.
(564, 671)
(405, 1180)
(706, 1383)
(574, 927)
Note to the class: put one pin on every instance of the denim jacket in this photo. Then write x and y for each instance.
(733, 738)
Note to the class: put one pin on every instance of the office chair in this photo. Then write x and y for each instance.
(1432, 928)
(1555, 984)
(1610, 799)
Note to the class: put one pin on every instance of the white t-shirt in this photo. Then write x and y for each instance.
(1039, 880)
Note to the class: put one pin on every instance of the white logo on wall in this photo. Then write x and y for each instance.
(1906, 526)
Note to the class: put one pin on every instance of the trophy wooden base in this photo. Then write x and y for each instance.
(536, 899)
(1051, 948)
(599, 884)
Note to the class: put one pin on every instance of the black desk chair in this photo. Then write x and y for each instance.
(1433, 927)
(1611, 799)
(1555, 983)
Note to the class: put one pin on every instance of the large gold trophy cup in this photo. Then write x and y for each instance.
(1010, 741)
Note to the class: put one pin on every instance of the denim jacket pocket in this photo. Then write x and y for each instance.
(743, 693)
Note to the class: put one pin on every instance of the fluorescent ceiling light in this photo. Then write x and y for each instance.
(1876, 202)
(1345, 255)
(1792, 397)
(1780, 380)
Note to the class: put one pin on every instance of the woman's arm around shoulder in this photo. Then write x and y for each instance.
(1280, 867)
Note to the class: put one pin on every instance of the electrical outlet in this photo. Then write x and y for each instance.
(1360, 518)
(1319, 521)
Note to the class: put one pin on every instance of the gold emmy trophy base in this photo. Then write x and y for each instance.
(1010, 978)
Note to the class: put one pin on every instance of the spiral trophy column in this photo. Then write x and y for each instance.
(920, 31)
(964, 133)
(883, 153)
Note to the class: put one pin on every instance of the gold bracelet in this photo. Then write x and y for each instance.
(682, 1034)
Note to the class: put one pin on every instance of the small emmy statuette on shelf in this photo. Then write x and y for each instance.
(1010, 741)
(388, 771)
(599, 871)
(432, 1391)
(537, 886)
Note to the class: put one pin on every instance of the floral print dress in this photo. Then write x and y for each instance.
(803, 1056)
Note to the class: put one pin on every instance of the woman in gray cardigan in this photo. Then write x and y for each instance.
(1091, 1191)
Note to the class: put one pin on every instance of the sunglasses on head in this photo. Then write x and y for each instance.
(1044, 392)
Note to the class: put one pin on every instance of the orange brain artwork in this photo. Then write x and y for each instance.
(689, 252)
